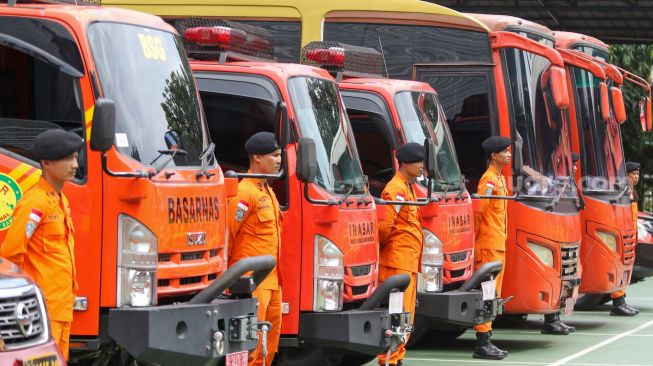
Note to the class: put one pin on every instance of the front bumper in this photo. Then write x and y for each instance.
(360, 331)
(185, 334)
(455, 308)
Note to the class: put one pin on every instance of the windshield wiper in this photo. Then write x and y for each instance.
(349, 192)
(204, 156)
(556, 200)
(620, 195)
(172, 153)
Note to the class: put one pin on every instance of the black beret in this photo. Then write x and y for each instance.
(261, 143)
(631, 166)
(411, 152)
(495, 144)
(574, 157)
(56, 144)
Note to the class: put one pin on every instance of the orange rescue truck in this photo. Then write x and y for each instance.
(543, 243)
(609, 239)
(329, 254)
(385, 114)
(148, 201)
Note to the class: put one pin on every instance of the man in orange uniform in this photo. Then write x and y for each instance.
(619, 306)
(400, 232)
(40, 239)
(254, 221)
(491, 231)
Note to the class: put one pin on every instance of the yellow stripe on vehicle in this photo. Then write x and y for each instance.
(88, 115)
(19, 171)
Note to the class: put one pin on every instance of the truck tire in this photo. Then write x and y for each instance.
(310, 355)
(588, 301)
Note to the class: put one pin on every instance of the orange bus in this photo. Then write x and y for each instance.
(148, 201)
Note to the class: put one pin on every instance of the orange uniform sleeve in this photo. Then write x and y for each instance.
(391, 211)
(239, 208)
(486, 187)
(15, 245)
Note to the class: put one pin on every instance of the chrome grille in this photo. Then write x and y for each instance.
(628, 254)
(569, 261)
(22, 320)
(359, 271)
(458, 257)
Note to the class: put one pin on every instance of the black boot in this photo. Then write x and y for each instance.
(553, 325)
(620, 308)
(485, 349)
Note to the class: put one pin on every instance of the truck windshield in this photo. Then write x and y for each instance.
(539, 127)
(321, 116)
(422, 117)
(146, 73)
(600, 168)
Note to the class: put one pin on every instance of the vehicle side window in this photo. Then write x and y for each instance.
(232, 119)
(36, 95)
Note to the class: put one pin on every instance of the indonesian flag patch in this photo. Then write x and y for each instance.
(401, 197)
(490, 188)
(35, 217)
(243, 207)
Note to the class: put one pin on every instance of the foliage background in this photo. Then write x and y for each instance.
(638, 146)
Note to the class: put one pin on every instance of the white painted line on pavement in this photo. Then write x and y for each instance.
(505, 361)
(601, 344)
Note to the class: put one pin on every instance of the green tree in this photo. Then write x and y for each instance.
(638, 146)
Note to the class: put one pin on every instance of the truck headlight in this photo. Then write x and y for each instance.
(544, 254)
(329, 274)
(431, 275)
(608, 239)
(137, 261)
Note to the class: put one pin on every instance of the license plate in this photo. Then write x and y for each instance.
(48, 360)
(236, 359)
(489, 289)
(569, 306)
(396, 303)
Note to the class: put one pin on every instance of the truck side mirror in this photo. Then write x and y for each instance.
(649, 115)
(306, 168)
(283, 134)
(605, 101)
(430, 159)
(559, 87)
(618, 104)
(103, 128)
(518, 158)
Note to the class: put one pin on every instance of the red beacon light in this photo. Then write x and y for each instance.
(343, 59)
(209, 39)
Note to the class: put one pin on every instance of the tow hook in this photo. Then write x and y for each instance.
(400, 328)
(262, 327)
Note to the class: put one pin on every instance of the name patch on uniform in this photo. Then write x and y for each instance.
(242, 209)
(35, 217)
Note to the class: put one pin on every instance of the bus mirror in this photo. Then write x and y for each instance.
(103, 128)
(430, 159)
(605, 102)
(283, 134)
(649, 115)
(559, 87)
(618, 104)
(306, 168)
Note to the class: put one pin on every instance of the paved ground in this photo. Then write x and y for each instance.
(600, 340)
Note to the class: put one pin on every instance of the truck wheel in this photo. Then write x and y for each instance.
(588, 301)
(310, 355)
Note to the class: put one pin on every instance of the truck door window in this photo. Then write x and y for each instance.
(232, 119)
(35, 92)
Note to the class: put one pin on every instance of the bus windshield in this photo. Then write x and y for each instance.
(540, 128)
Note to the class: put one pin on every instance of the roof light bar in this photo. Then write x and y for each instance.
(223, 39)
(67, 2)
(342, 58)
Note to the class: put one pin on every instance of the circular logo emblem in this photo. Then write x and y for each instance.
(24, 319)
(10, 193)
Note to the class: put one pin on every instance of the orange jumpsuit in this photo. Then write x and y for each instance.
(40, 241)
(635, 211)
(400, 234)
(254, 221)
(491, 227)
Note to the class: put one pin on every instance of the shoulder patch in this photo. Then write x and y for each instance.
(242, 209)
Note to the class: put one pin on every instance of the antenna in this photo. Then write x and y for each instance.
(383, 55)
